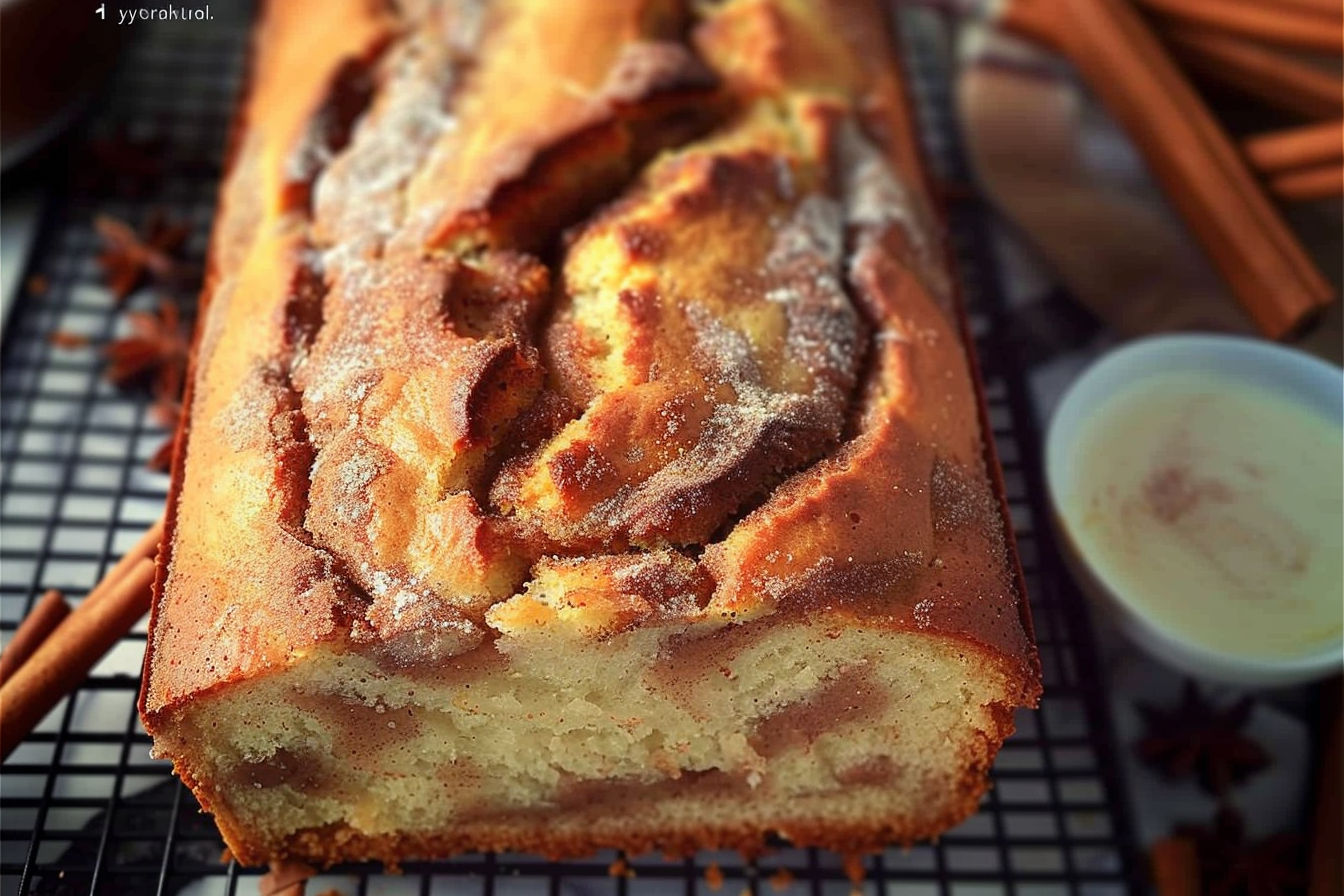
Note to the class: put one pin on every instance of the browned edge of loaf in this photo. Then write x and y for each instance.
(332, 844)
(904, 130)
(177, 466)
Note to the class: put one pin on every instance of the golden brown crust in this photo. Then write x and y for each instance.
(583, 836)
(707, 376)
(565, 86)
(434, 369)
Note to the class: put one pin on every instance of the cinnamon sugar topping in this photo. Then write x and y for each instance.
(570, 341)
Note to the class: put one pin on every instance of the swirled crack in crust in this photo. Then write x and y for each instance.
(582, 447)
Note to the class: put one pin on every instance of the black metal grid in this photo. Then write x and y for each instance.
(83, 807)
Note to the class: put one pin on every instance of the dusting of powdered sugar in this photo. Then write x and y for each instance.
(804, 265)
(812, 235)
(876, 199)
(403, 592)
(360, 196)
(354, 476)
(723, 352)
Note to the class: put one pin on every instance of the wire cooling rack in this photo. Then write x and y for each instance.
(83, 807)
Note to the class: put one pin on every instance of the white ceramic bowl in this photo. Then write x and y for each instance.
(1292, 374)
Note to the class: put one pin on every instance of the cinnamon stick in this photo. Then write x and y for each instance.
(1300, 147)
(67, 655)
(1262, 22)
(1275, 79)
(1327, 829)
(1198, 165)
(1328, 8)
(1031, 20)
(45, 615)
(146, 545)
(1320, 182)
(1175, 867)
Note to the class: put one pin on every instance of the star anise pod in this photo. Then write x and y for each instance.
(129, 257)
(154, 354)
(1232, 866)
(1195, 738)
(161, 461)
(166, 412)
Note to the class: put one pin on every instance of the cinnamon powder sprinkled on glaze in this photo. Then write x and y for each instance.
(1173, 491)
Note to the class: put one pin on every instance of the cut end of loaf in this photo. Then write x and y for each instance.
(825, 733)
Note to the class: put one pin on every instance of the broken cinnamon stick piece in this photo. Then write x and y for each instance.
(41, 620)
(1300, 147)
(1320, 182)
(1275, 79)
(67, 655)
(146, 545)
(285, 879)
(1327, 830)
(1266, 23)
(1175, 867)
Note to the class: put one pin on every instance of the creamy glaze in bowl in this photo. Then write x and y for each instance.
(1196, 485)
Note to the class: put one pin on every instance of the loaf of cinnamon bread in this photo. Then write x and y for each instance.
(582, 447)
